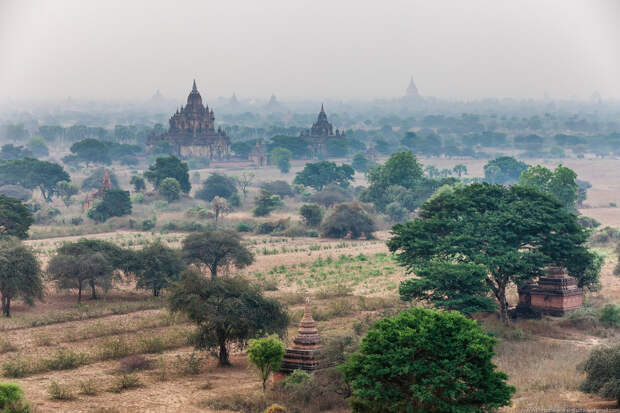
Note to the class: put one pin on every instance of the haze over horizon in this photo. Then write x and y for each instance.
(310, 49)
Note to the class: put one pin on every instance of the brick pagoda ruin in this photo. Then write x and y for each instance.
(303, 354)
(554, 294)
(106, 185)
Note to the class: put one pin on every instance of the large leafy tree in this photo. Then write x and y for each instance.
(20, 274)
(401, 179)
(156, 266)
(91, 150)
(15, 218)
(514, 233)
(32, 173)
(281, 158)
(226, 310)
(266, 202)
(80, 271)
(10, 151)
(560, 183)
(348, 220)
(169, 167)
(426, 361)
(217, 185)
(320, 174)
(216, 249)
(503, 170)
(115, 203)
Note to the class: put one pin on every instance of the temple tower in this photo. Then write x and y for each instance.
(303, 354)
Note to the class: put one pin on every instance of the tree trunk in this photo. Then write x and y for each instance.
(503, 305)
(155, 292)
(94, 290)
(6, 306)
(224, 361)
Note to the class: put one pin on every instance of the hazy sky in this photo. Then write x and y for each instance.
(341, 49)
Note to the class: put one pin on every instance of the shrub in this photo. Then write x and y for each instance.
(602, 370)
(331, 195)
(275, 408)
(89, 387)
(151, 345)
(133, 363)
(190, 364)
(125, 382)
(266, 355)
(266, 202)
(348, 220)
(610, 315)
(77, 221)
(6, 346)
(217, 185)
(59, 391)
(273, 226)
(16, 368)
(148, 224)
(64, 360)
(170, 189)
(280, 188)
(312, 214)
(114, 348)
(12, 399)
(244, 227)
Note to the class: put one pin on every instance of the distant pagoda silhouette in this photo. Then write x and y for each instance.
(302, 355)
(412, 93)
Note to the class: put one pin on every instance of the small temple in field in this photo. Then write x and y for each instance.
(554, 294)
(106, 185)
(303, 354)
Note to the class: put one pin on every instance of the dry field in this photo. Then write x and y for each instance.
(79, 347)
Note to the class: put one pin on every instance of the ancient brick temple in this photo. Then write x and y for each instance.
(303, 354)
(555, 294)
(258, 155)
(320, 132)
(192, 132)
(106, 185)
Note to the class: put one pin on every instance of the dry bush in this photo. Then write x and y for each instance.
(6, 346)
(16, 367)
(247, 403)
(125, 382)
(59, 391)
(43, 340)
(189, 365)
(151, 345)
(134, 363)
(89, 387)
(114, 348)
(63, 360)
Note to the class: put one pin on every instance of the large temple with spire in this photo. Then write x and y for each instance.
(412, 91)
(320, 132)
(192, 132)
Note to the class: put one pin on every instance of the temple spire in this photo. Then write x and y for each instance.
(194, 88)
(322, 110)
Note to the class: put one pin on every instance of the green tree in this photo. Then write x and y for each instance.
(217, 185)
(226, 310)
(266, 202)
(450, 286)
(38, 147)
(10, 151)
(298, 145)
(602, 370)
(138, 183)
(360, 163)
(170, 189)
(20, 274)
(12, 399)
(115, 203)
(79, 271)
(266, 355)
(15, 217)
(91, 150)
(66, 190)
(503, 170)
(216, 249)
(513, 232)
(169, 167)
(426, 361)
(281, 157)
(460, 169)
(560, 183)
(156, 266)
(32, 173)
(312, 214)
(348, 220)
(320, 174)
